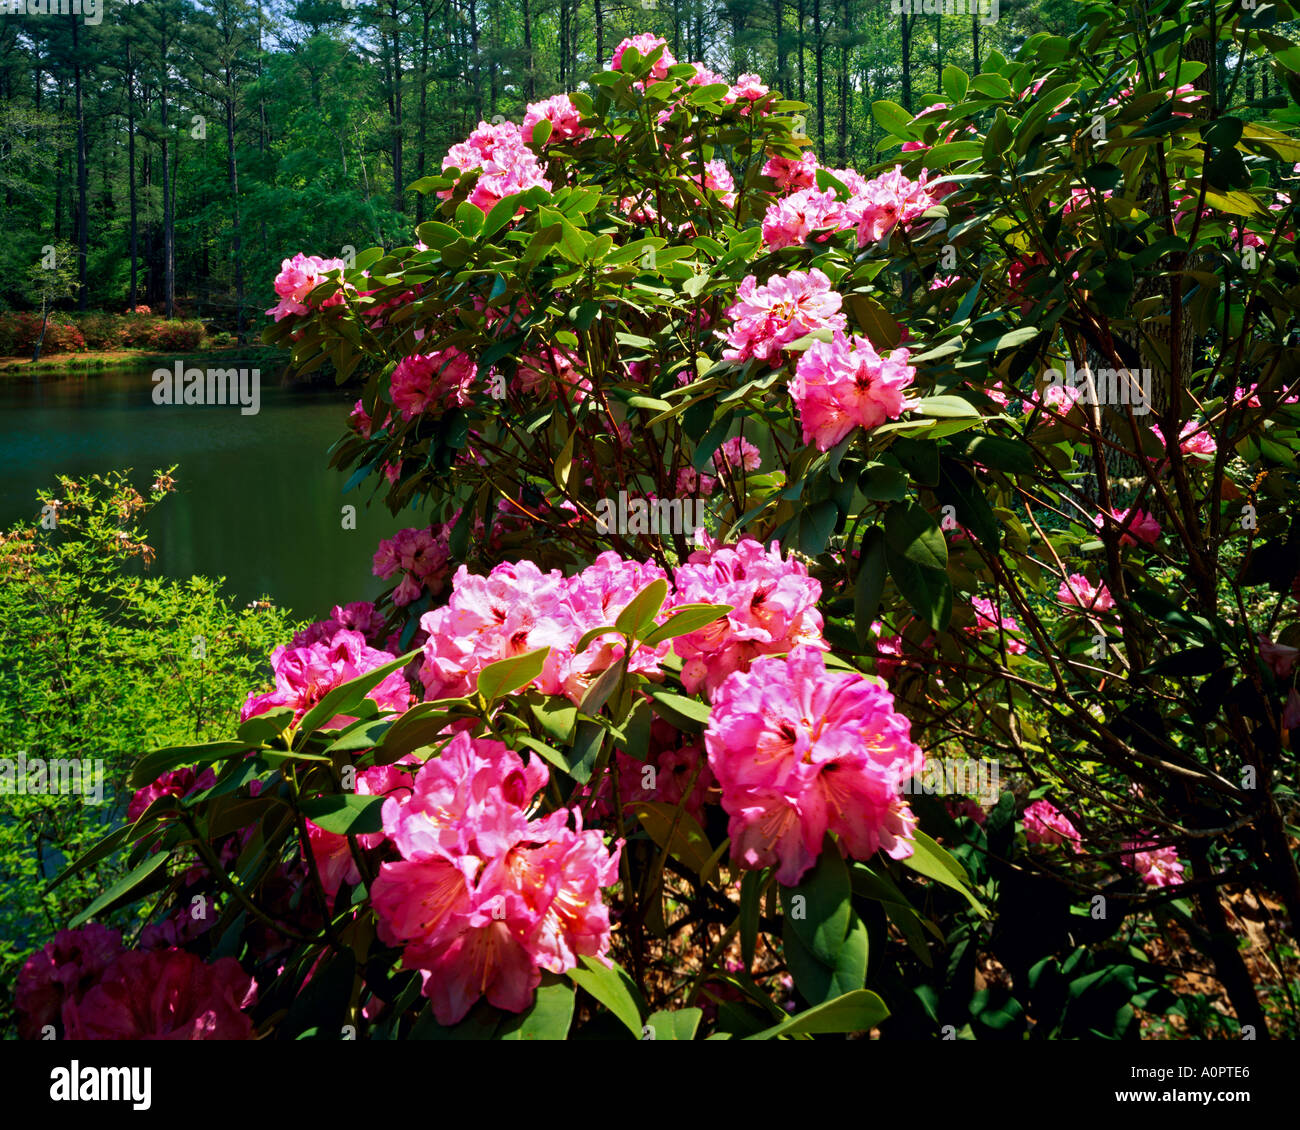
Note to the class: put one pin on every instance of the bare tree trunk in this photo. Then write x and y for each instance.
(83, 211)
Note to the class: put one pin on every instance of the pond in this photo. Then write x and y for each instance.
(255, 503)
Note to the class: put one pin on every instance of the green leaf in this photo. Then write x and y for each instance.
(882, 483)
(955, 82)
(122, 888)
(680, 1024)
(751, 897)
(362, 735)
(348, 696)
(917, 556)
(894, 119)
(999, 453)
(819, 981)
(558, 717)
(689, 844)
(611, 987)
(152, 765)
(818, 908)
(934, 862)
(345, 813)
(686, 618)
(547, 1018)
(687, 714)
(943, 406)
(870, 584)
(858, 1011)
(639, 614)
(507, 675)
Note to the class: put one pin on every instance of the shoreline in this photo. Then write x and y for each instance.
(106, 361)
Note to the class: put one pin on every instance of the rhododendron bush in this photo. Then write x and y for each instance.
(579, 775)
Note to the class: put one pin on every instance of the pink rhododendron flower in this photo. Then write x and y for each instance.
(1141, 527)
(61, 972)
(507, 164)
(965, 806)
(298, 277)
(304, 675)
(177, 783)
(646, 43)
(988, 620)
(1194, 439)
(483, 899)
(1076, 589)
(794, 219)
(359, 616)
(889, 650)
(737, 453)
(432, 381)
(799, 751)
(773, 609)
(563, 115)
(165, 995)
(691, 483)
(844, 383)
(1044, 824)
(791, 173)
(747, 88)
(787, 307)
(1279, 657)
(717, 178)
(888, 200)
(422, 556)
(1159, 867)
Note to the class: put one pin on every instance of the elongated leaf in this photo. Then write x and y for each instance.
(689, 844)
(122, 888)
(348, 696)
(680, 1024)
(934, 862)
(547, 1018)
(152, 765)
(818, 908)
(858, 1011)
(819, 981)
(687, 714)
(638, 616)
(613, 988)
(508, 675)
(686, 618)
(345, 813)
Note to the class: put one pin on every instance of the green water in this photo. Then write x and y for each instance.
(256, 501)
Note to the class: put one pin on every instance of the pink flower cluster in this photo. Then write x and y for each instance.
(1045, 824)
(1076, 589)
(359, 616)
(1158, 867)
(507, 164)
(1193, 439)
(1141, 527)
(85, 983)
(873, 207)
(298, 277)
(773, 609)
(177, 783)
(422, 556)
(563, 115)
(483, 898)
(305, 675)
(800, 751)
(430, 381)
(646, 44)
(988, 620)
(766, 319)
(517, 609)
(843, 384)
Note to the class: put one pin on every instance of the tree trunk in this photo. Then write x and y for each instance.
(83, 212)
(819, 53)
(130, 151)
(232, 180)
(905, 29)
